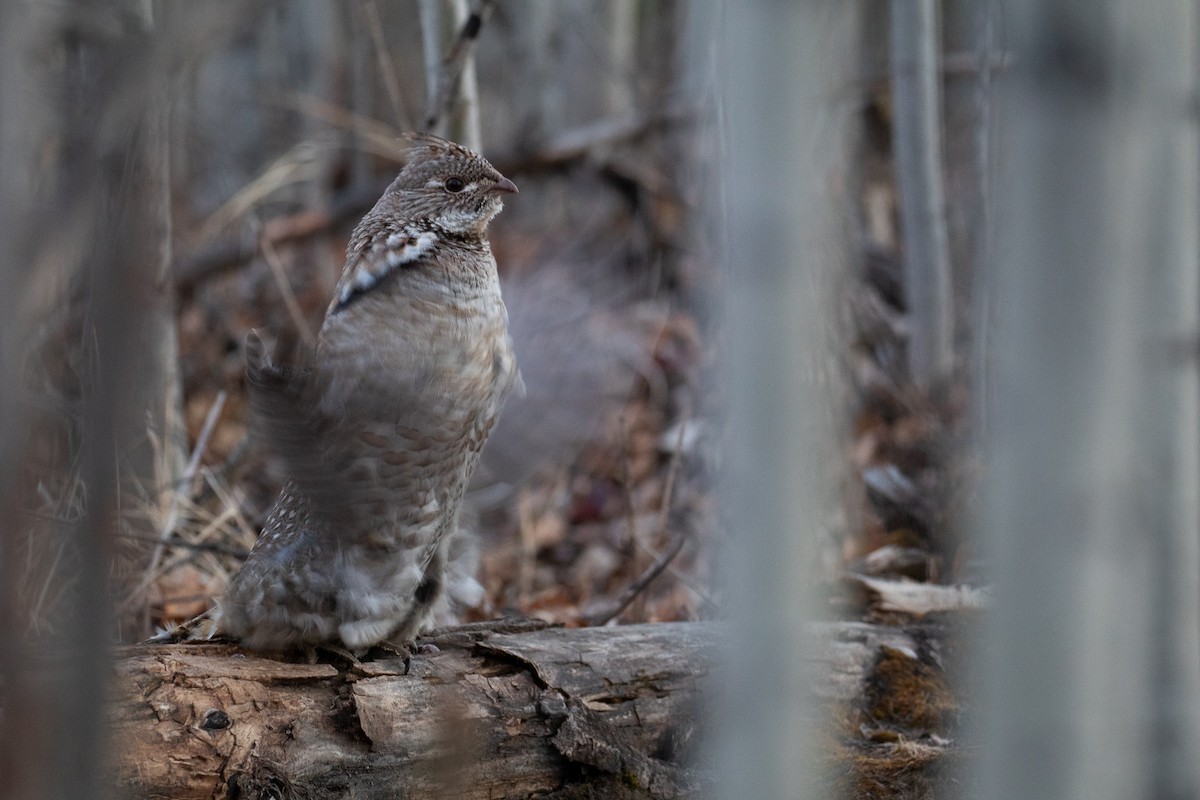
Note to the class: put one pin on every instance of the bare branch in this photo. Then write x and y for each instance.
(449, 75)
(189, 473)
(610, 612)
(285, 290)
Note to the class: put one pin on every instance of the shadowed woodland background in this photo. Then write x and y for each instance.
(892, 269)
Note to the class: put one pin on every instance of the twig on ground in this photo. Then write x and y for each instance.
(210, 547)
(206, 432)
(686, 581)
(236, 454)
(605, 615)
(608, 613)
(36, 615)
(672, 473)
(627, 493)
(289, 297)
(194, 543)
(189, 473)
(219, 488)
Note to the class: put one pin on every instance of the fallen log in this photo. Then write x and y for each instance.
(501, 710)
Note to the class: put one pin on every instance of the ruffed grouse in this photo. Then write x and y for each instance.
(381, 433)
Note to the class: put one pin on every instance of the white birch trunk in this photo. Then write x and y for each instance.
(788, 117)
(441, 22)
(1091, 665)
(916, 95)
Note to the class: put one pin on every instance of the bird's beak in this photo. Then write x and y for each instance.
(506, 186)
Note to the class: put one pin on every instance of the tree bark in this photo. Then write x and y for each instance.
(496, 713)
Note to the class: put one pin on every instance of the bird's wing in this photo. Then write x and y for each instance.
(289, 416)
(365, 271)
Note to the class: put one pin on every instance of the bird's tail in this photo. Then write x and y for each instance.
(201, 628)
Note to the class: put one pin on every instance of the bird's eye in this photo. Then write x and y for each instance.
(454, 184)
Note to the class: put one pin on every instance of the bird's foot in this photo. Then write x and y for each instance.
(401, 650)
(331, 652)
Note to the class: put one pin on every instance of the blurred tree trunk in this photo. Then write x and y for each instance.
(619, 24)
(790, 121)
(152, 449)
(539, 114)
(1092, 664)
(456, 114)
(95, 226)
(591, 49)
(25, 750)
(917, 136)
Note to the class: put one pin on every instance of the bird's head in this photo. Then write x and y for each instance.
(454, 188)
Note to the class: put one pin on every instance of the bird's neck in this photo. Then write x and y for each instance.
(458, 234)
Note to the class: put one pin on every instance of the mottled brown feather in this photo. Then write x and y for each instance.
(381, 432)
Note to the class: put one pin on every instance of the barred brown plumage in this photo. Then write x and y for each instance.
(380, 434)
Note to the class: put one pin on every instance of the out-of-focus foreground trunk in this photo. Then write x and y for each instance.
(1092, 663)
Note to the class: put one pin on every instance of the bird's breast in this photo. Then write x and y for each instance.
(429, 363)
